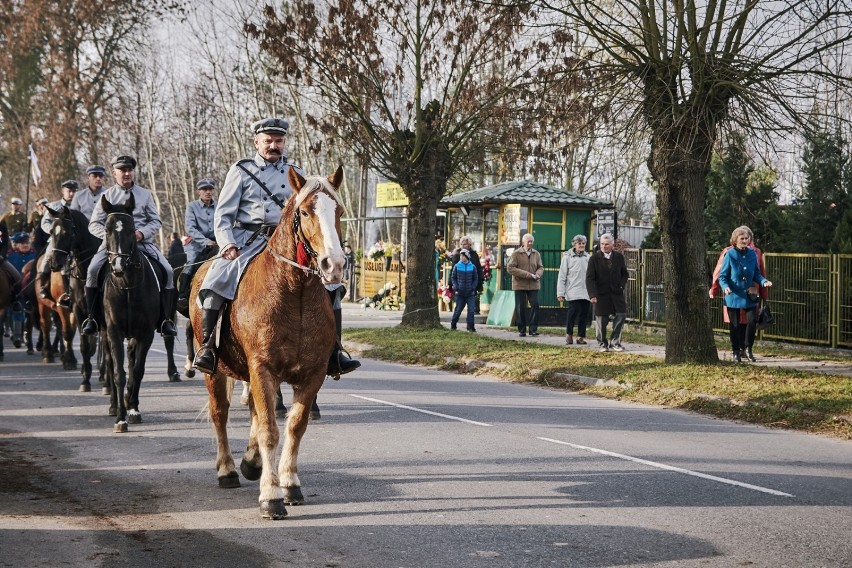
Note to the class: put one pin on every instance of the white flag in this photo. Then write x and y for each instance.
(36, 172)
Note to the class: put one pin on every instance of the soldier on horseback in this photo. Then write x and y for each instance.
(147, 222)
(69, 188)
(198, 223)
(248, 211)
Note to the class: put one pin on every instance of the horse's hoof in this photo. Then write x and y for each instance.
(314, 415)
(189, 373)
(30, 351)
(273, 509)
(249, 471)
(16, 344)
(230, 481)
(85, 387)
(69, 366)
(113, 411)
(47, 360)
(281, 413)
(106, 391)
(174, 377)
(120, 427)
(293, 495)
(134, 417)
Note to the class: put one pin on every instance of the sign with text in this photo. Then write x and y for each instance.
(510, 225)
(605, 221)
(390, 194)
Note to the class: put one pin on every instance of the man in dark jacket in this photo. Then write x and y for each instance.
(606, 278)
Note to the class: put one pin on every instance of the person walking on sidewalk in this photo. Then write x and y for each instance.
(465, 279)
(737, 277)
(526, 269)
(571, 286)
(606, 278)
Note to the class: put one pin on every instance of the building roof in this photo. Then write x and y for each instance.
(524, 192)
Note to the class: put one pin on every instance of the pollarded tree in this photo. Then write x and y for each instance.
(684, 69)
(425, 90)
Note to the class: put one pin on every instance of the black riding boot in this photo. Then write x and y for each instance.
(44, 283)
(183, 285)
(167, 308)
(64, 300)
(90, 326)
(205, 360)
(340, 363)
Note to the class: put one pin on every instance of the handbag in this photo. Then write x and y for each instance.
(765, 317)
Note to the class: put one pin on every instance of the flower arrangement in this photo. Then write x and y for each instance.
(377, 251)
(392, 249)
(441, 251)
(486, 269)
(445, 292)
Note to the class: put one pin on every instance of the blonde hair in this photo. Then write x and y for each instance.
(741, 230)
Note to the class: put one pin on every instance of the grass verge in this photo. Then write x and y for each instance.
(772, 397)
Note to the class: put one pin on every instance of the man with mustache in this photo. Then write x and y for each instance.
(247, 213)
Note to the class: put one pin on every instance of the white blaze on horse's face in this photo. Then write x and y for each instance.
(118, 260)
(331, 258)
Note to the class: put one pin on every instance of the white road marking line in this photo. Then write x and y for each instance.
(670, 468)
(421, 410)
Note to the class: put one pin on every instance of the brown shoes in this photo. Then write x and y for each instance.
(581, 341)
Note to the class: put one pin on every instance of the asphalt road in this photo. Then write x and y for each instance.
(413, 467)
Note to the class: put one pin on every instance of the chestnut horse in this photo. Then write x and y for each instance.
(279, 328)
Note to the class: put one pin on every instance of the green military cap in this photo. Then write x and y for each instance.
(124, 162)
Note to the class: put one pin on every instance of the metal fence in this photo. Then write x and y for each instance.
(811, 294)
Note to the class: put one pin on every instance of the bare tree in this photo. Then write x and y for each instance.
(424, 91)
(682, 70)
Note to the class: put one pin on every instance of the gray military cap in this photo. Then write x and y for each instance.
(204, 183)
(271, 126)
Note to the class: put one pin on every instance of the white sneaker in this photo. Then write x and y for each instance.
(617, 348)
(604, 349)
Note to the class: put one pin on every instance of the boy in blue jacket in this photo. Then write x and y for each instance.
(465, 279)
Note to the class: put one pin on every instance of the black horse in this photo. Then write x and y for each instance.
(75, 246)
(131, 309)
(180, 271)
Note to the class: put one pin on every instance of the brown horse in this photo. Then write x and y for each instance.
(5, 300)
(281, 330)
(67, 322)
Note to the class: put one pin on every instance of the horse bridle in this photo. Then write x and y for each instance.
(300, 239)
(111, 255)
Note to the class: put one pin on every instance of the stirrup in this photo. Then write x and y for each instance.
(200, 363)
(89, 327)
(170, 331)
(64, 300)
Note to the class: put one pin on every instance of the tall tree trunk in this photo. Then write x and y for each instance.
(421, 296)
(424, 190)
(681, 176)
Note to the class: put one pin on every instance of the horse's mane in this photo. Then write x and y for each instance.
(314, 184)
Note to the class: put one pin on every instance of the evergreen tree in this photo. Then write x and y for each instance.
(818, 213)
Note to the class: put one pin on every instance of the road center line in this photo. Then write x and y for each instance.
(670, 468)
(456, 418)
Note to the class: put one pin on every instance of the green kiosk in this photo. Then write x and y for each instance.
(497, 216)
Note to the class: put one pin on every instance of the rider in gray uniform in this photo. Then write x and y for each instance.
(147, 222)
(198, 224)
(69, 188)
(84, 201)
(249, 205)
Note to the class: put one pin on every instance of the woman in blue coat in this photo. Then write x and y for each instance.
(739, 273)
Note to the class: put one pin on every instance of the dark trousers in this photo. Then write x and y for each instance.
(740, 333)
(751, 331)
(578, 311)
(462, 302)
(521, 299)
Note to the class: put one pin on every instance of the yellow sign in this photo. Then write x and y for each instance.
(389, 194)
(510, 224)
